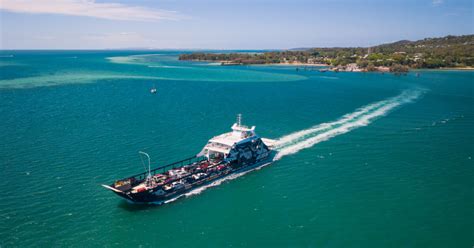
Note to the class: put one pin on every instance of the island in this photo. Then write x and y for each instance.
(399, 57)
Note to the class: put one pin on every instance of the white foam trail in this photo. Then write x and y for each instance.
(297, 141)
(291, 138)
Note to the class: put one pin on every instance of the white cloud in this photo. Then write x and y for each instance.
(89, 8)
(437, 2)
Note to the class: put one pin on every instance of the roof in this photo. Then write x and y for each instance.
(223, 143)
(238, 134)
(227, 139)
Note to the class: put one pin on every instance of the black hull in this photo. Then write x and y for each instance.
(149, 197)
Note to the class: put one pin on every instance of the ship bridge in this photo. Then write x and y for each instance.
(219, 146)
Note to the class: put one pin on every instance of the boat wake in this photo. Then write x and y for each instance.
(294, 142)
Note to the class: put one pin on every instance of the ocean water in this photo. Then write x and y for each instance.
(364, 159)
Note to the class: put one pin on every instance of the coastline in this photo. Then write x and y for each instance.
(445, 69)
(296, 64)
(466, 68)
(384, 70)
(330, 68)
(276, 64)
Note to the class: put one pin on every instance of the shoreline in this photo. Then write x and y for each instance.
(276, 64)
(295, 64)
(453, 69)
(213, 62)
(330, 68)
(362, 69)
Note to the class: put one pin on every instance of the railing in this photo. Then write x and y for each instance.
(167, 167)
(191, 174)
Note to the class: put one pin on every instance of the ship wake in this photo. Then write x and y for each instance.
(297, 141)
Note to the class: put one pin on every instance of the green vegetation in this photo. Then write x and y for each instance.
(449, 51)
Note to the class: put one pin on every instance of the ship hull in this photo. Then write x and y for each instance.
(150, 197)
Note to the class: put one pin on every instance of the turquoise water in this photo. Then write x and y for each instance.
(366, 159)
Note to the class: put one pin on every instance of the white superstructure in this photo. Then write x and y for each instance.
(219, 147)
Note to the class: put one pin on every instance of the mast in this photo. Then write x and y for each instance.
(239, 120)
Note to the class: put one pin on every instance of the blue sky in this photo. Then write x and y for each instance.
(226, 24)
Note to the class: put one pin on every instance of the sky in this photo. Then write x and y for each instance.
(226, 24)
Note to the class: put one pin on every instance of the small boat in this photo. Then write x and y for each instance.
(153, 90)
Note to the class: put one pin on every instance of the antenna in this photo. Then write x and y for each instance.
(149, 162)
(239, 120)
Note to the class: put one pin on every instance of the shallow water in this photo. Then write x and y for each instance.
(365, 159)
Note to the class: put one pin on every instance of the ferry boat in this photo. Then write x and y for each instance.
(234, 152)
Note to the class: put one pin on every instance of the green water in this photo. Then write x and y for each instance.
(399, 175)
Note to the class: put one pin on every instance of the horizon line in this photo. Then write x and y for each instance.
(219, 49)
